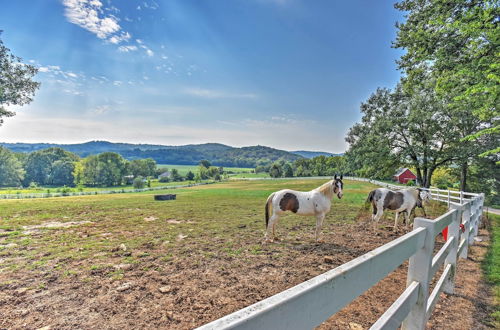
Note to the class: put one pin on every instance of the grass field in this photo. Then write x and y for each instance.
(184, 169)
(211, 208)
(126, 260)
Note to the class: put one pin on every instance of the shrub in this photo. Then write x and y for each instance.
(138, 183)
(410, 183)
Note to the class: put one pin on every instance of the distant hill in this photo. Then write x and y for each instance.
(218, 154)
(312, 154)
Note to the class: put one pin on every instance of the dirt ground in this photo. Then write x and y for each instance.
(189, 292)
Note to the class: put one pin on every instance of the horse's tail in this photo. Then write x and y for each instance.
(269, 200)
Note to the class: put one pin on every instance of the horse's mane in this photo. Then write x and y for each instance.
(326, 188)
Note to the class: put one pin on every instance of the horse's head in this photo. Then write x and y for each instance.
(338, 185)
(424, 196)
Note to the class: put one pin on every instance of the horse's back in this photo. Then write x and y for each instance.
(300, 202)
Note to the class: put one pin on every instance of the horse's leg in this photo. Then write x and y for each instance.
(271, 227)
(319, 224)
(380, 212)
(395, 228)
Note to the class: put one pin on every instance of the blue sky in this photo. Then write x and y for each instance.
(289, 74)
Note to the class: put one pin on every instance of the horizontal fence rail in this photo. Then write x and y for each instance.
(310, 303)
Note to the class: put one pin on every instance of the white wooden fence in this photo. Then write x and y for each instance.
(96, 192)
(310, 303)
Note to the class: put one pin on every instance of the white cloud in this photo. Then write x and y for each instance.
(127, 49)
(89, 15)
(116, 39)
(150, 52)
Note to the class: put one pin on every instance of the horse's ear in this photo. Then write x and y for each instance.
(341, 176)
(335, 178)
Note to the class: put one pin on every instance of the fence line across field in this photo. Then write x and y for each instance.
(96, 192)
(310, 303)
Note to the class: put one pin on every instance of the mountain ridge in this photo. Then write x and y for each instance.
(217, 153)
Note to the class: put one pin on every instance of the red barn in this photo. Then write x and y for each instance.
(404, 175)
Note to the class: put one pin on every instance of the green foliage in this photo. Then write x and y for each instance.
(174, 174)
(52, 166)
(138, 182)
(410, 183)
(276, 171)
(11, 170)
(190, 176)
(106, 169)
(457, 43)
(205, 163)
(142, 167)
(411, 127)
(16, 84)
(287, 170)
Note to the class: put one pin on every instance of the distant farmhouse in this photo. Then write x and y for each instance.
(164, 175)
(403, 175)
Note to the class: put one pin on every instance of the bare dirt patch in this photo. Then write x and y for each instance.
(183, 293)
(51, 225)
(124, 272)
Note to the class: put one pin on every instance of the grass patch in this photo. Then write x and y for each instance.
(491, 265)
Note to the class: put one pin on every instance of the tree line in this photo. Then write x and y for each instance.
(57, 167)
(303, 167)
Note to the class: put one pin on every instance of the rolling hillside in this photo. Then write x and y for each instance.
(217, 154)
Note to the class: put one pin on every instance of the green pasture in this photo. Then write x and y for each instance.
(48, 189)
(184, 169)
(210, 221)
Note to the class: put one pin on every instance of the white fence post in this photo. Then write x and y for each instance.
(419, 270)
(466, 219)
(449, 198)
(454, 234)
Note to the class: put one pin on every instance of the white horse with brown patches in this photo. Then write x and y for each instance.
(405, 200)
(316, 202)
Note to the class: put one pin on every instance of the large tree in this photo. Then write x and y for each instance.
(459, 42)
(412, 129)
(11, 170)
(106, 169)
(52, 166)
(16, 84)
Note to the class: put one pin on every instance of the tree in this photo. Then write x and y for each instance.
(405, 128)
(106, 169)
(11, 170)
(205, 163)
(174, 174)
(138, 182)
(189, 176)
(16, 84)
(52, 166)
(457, 41)
(142, 167)
(111, 169)
(276, 171)
(287, 170)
